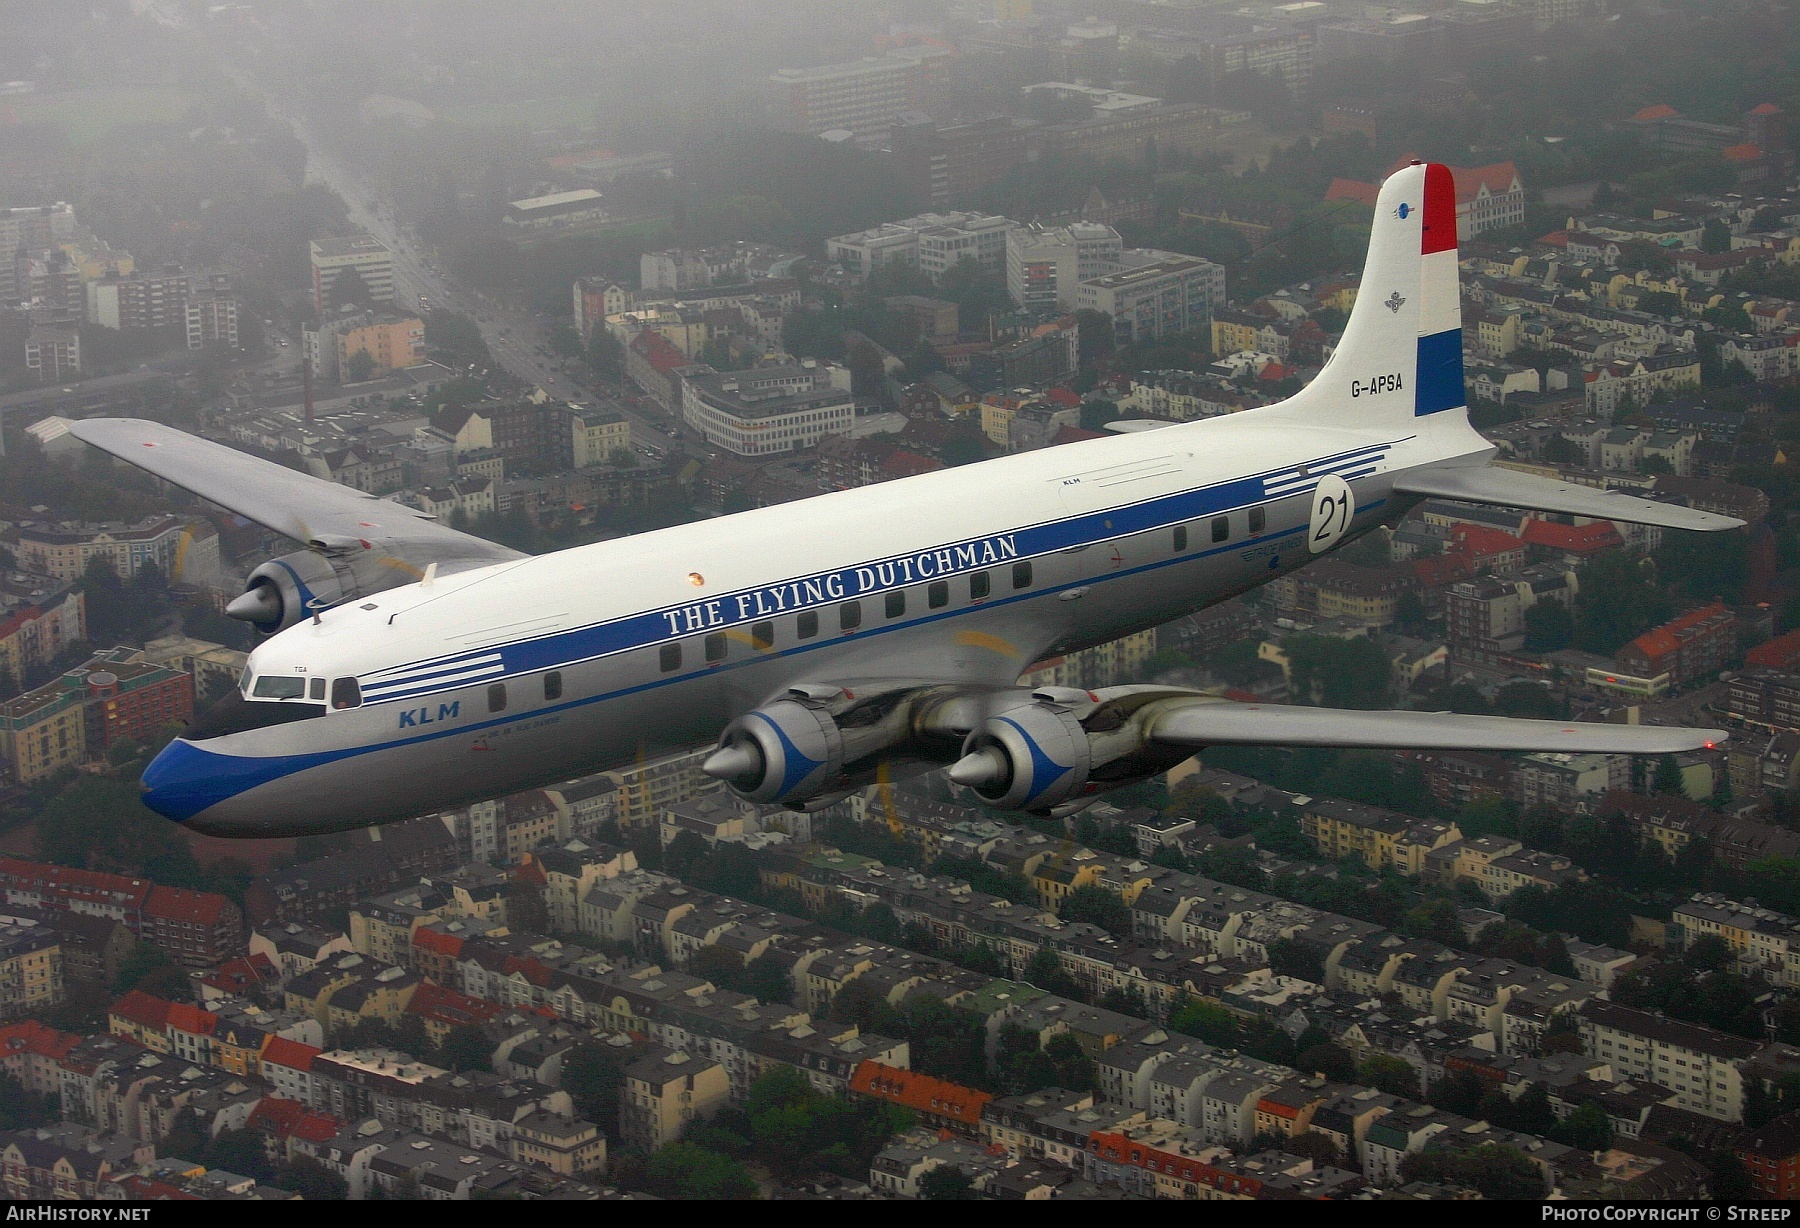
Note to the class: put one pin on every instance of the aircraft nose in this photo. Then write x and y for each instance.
(182, 781)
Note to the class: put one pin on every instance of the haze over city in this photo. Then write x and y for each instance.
(714, 415)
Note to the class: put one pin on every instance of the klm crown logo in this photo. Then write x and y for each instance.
(1395, 302)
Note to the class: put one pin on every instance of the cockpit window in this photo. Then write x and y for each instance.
(345, 693)
(317, 689)
(274, 686)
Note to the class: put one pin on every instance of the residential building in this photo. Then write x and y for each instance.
(391, 344)
(596, 434)
(53, 352)
(371, 262)
(211, 316)
(596, 298)
(115, 696)
(1689, 648)
(139, 300)
(1701, 1066)
(184, 550)
(557, 211)
(665, 1092)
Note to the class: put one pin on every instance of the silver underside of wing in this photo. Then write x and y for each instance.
(1508, 488)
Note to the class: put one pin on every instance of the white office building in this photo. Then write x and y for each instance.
(769, 410)
(1045, 264)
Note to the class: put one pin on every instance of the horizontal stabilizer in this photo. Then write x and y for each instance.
(1227, 722)
(1508, 488)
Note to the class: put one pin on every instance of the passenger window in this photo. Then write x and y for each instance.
(762, 635)
(1021, 575)
(670, 658)
(978, 586)
(896, 604)
(1221, 528)
(850, 615)
(553, 684)
(1257, 520)
(1180, 538)
(497, 697)
(346, 693)
(715, 646)
(937, 596)
(316, 689)
(806, 625)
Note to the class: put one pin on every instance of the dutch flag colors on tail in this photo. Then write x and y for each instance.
(1401, 353)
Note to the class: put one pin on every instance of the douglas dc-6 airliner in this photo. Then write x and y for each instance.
(410, 667)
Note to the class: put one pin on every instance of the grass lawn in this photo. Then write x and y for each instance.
(87, 114)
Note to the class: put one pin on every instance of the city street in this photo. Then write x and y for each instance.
(517, 338)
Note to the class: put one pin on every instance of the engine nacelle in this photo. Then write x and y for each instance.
(286, 590)
(788, 751)
(1059, 753)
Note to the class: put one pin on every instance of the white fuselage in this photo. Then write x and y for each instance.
(625, 650)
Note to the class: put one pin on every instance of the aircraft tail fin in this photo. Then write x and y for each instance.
(1401, 353)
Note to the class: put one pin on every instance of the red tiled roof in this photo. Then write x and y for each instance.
(30, 1036)
(142, 1009)
(1481, 541)
(1065, 397)
(1744, 152)
(1275, 371)
(1586, 538)
(186, 1018)
(290, 1118)
(1779, 653)
(1438, 570)
(920, 1092)
(432, 1001)
(241, 973)
(527, 966)
(64, 880)
(1075, 434)
(437, 942)
(1663, 640)
(903, 464)
(1556, 238)
(1353, 190)
(180, 904)
(149, 1189)
(1661, 110)
(281, 1051)
(661, 353)
(1765, 108)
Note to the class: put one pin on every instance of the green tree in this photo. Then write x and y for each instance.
(1329, 1060)
(1587, 1128)
(1097, 906)
(467, 1047)
(240, 1151)
(1207, 1021)
(1548, 627)
(1047, 974)
(593, 1075)
(1496, 1172)
(947, 1183)
(682, 1170)
(1337, 673)
(312, 1180)
(359, 367)
(1618, 601)
(1392, 1075)
(1668, 778)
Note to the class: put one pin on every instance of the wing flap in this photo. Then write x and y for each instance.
(1507, 488)
(308, 509)
(1227, 722)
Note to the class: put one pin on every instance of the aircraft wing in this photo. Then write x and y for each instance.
(1509, 488)
(1226, 722)
(310, 510)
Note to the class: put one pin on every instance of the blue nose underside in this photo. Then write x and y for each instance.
(184, 780)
